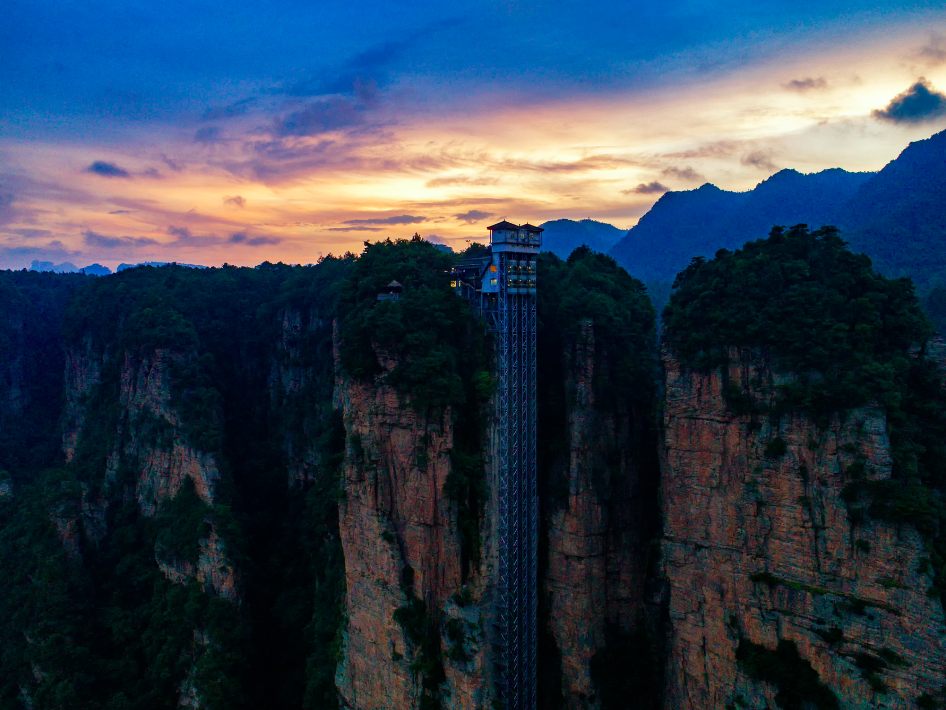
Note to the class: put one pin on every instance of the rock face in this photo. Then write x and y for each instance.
(399, 536)
(149, 436)
(759, 548)
(596, 545)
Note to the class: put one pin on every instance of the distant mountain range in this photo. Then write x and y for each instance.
(70, 268)
(563, 236)
(897, 216)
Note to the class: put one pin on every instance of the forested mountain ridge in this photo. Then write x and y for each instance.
(895, 216)
(563, 236)
(698, 222)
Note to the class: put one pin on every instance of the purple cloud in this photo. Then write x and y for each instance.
(244, 238)
(208, 134)
(686, 173)
(320, 116)
(761, 159)
(806, 84)
(93, 239)
(473, 216)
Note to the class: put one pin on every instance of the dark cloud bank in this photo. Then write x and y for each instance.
(918, 104)
(650, 188)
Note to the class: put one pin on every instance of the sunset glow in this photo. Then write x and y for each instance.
(242, 169)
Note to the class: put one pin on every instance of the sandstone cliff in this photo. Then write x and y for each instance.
(402, 552)
(149, 435)
(769, 572)
(597, 536)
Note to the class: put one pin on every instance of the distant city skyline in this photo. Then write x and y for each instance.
(135, 131)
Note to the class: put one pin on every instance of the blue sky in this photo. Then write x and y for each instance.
(278, 130)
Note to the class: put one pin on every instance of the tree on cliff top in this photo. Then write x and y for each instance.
(822, 311)
(430, 332)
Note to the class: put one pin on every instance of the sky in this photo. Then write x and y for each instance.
(212, 133)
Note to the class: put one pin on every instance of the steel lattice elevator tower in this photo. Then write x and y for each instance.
(502, 286)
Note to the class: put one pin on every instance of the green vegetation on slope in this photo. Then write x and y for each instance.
(106, 629)
(429, 332)
(798, 683)
(591, 287)
(31, 307)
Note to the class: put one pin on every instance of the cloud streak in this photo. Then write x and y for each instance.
(322, 116)
(395, 220)
(244, 238)
(687, 173)
(6, 208)
(761, 159)
(934, 52)
(101, 241)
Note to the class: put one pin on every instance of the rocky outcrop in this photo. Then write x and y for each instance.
(400, 540)
(65, 518)
(151, 440)
(213, 569)
(596, 545)
(149, 434)
(760, 548)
